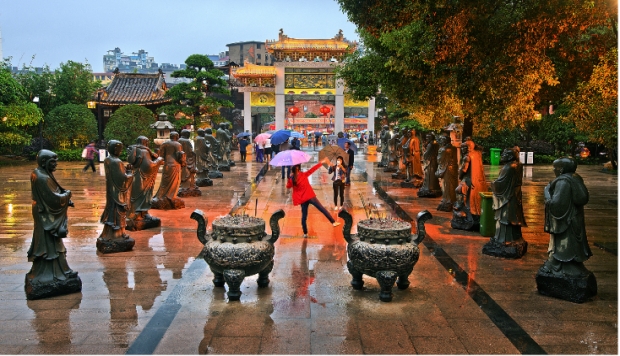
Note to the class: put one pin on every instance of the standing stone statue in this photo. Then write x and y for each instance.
(213, 153)
(447, 170)
(430, 187)
(413, 165)
(145, 165)
(50, 273)
(224, 140)
(188, 186)
(202, 153)
(466, 214)
(385, 149)
(478, 180)
(392, 164)
(564, 275)
(118, 179)
(507, 203)
(231, 162)
(371, 139)
(174, 160)
(401, 170)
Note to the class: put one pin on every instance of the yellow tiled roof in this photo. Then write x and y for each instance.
(254, 70)
(307, 45)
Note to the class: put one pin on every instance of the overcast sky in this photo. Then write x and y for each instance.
(55, 31)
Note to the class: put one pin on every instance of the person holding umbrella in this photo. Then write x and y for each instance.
(340, 174)
(243, 143)
(304, 195)
(268, 149)
(349, 151)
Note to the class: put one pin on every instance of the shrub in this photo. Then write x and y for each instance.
(129, 122)
(70, 126)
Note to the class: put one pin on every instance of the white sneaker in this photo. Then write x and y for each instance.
(305, 236)
(336, 223)
(336, 207)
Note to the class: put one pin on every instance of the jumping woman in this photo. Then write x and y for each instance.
(304, 195)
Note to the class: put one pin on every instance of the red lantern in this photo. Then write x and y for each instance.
(325, 110)
(293, 110)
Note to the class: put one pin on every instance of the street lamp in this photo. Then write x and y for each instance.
(36, 101)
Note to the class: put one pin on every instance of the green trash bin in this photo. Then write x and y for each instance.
(495, 156)
(487, 215)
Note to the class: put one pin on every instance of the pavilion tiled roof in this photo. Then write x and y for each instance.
(254, 70)
(134, 88)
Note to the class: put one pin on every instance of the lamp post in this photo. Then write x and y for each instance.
(36, 101)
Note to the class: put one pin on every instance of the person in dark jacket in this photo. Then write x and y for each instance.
(304, 195)
(351, 153)
(91, 151)
(340, 174)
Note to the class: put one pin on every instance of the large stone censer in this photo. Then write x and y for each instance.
(237, 247)
(384, 249)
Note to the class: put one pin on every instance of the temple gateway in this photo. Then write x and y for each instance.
(302, 81)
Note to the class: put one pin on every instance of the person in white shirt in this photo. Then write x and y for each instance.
(268, 149)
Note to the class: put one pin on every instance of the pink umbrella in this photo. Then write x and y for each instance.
(260, 139)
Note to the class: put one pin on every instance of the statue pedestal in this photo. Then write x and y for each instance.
(204, 182)
(142, 224)
(190, 192)
(35, 290)
(399, 175)
(371, 150)
(445, 206)
(167, 204)
(231, 163)
(224, 168)
(573, 289)
(514, 249)
(389, 169)
(216, 174)
(464, 223)
(115, 245)
(426, 193)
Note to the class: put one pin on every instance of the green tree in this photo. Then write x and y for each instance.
(196, 99)
(129, 122)
(17, 113)
(496, 63)
(70, 126)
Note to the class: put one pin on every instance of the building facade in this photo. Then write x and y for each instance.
(253, 52)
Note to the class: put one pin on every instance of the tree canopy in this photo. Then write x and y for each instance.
(17, 113)
(497, 63)
(129, 122)
(196, 99)
(70, 126)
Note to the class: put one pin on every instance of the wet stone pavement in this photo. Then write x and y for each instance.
(160, 299)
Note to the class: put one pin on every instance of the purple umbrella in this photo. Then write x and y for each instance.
(290, 158)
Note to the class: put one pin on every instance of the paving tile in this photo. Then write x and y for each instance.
(334, 345)
(441, 345)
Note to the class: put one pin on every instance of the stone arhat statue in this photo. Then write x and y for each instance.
(202, 153)
(174, 159)
(564, 275)
(118, 183)
(188, 187)
(430, 188)
(466, 215)
(508, 206)
(145, 165)
(447, 170)
(50, 273)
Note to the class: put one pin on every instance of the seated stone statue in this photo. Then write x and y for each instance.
(118, 179)
(447, 171)
(507, 204)
(188, 186)
(430, 188)
(564, 275)
(145, 165)
(174, 159)
(202, 152)
(50, 274)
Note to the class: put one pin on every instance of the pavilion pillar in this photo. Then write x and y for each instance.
(280, 104)
(247, 111)
(339, 107)
(371, 115)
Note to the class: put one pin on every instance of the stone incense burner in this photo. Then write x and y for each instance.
(237, 247)
(384, 249)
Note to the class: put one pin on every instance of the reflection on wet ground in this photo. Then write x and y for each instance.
(159, 298)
